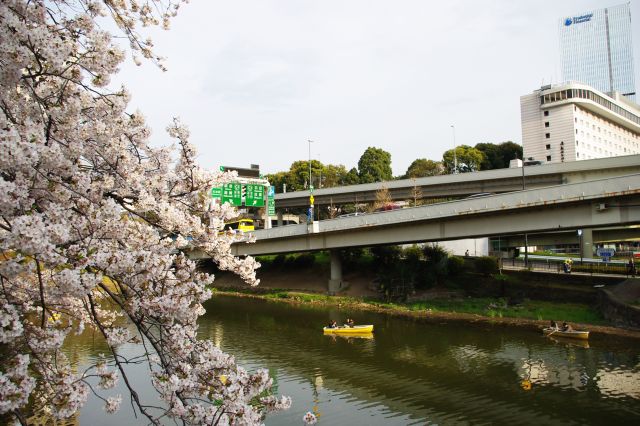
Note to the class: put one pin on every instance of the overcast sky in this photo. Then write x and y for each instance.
(255, 79)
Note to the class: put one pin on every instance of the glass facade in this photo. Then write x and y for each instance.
(596, 49)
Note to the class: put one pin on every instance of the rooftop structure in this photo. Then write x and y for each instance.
(574, 121)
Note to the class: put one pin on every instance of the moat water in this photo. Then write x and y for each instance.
(410, 371)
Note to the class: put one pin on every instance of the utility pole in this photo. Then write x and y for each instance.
(310, 185)
(455, 158)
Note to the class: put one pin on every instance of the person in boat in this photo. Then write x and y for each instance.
(350, 322)
(333, 324)
(566, 327)
(553, 325)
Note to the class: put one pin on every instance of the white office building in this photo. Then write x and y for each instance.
(596, 49)
(573, 121)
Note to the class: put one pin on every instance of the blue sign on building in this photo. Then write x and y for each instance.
(578, 19)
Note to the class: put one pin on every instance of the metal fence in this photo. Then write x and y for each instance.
(549, 265)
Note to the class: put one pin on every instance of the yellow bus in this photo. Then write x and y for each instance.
(244, 225)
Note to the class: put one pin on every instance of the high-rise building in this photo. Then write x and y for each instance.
(573, 121)
(596, 49)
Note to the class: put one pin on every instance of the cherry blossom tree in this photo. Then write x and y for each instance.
(93, 225)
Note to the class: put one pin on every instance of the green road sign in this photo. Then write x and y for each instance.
(272, 207)
(232, 193)
(216, 192)
(271, 200)
(255, 196)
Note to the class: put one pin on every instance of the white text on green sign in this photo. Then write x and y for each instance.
(232, 193)
(255, 195)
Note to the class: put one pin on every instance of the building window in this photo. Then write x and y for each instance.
(548, 158)
(547, 135)
(548, 146)
(546, 124)
(546, 113)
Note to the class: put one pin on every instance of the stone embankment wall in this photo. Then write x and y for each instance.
(540, 286)
(617, 305)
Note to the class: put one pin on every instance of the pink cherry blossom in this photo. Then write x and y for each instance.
(93, 226)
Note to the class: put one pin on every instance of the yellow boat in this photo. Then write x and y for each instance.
(356, 329)
(573, 334)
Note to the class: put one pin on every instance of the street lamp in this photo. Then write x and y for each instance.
(455, 158)
(580, 244)
(310, 142)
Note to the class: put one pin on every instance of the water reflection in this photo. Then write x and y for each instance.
(413, 372)
(429, 372)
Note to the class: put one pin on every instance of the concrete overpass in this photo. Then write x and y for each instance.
(605, 235)
(464, 184)
(609, 202)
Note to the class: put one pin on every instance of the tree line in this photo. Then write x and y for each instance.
(375, 166)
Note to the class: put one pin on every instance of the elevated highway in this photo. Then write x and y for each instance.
(609, 202)
(606, 235)
(464, 184)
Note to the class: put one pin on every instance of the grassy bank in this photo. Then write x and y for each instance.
(489, 308)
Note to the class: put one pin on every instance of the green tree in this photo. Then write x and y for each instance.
(333, 175)
(468, 159)
(498, 156)
(422, 167)
(492, 159)
(508, 151)
(375, 166)
(351, 178)
(278, 180)
(436, 262)
(298, 178)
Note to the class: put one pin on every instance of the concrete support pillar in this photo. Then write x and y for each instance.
(586, 243)
(335, 280)
(279, 213)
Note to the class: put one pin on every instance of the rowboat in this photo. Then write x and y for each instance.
(573, 334)
(356, 329)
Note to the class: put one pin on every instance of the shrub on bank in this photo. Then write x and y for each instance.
(486, 265)
(455, 265)
(304, 260)
(385, 256)
(279, 260)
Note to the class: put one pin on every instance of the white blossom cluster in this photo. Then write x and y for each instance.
(92, 224)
